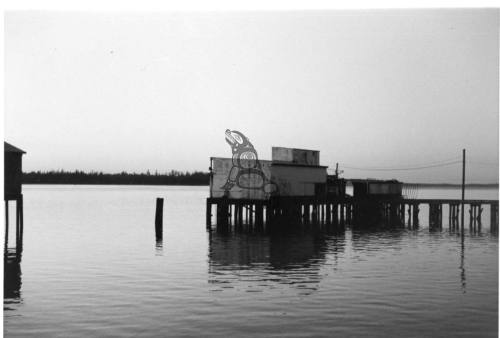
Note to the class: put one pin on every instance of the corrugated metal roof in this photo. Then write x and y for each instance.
(9, 148)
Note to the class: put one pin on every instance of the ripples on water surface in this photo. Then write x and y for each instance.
(90, 266)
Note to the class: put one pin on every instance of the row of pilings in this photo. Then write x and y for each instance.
(339, 212)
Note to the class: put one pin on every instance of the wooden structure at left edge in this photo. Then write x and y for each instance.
(13, 186)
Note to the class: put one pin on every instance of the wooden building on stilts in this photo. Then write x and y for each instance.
(13, 188)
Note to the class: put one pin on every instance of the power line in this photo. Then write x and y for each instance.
(484, 163)
(406, 168)
(456, 158)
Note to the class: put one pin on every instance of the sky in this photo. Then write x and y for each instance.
(137, 91)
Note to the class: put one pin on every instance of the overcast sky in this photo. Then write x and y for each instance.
(137, 91)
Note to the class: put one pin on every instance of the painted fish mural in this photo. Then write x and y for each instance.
(246, 172)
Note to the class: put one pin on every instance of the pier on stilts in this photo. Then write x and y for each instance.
(13, 192)
(13, 254)
(19, 221)
(294, 189)
(226, 213)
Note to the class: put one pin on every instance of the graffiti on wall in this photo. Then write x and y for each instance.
(246, 171)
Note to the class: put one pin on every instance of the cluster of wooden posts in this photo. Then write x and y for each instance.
(399, 212)
(239, 212)
(457, 215)
(344, 211)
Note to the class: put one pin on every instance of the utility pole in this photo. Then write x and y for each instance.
(337, 170)
(463, 188)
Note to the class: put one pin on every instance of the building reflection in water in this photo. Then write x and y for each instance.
(294, 256)
(371, 239)
(12, 274)
(265, 258)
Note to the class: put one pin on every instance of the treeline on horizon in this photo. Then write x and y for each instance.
(173, 177)
(454, 185)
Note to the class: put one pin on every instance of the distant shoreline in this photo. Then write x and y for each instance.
(174, 177)
(423, 185)
(454, 185)
(151, 184)
(77, 177)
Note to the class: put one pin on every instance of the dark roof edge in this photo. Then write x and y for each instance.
(9, 148)
(290, 164)
(295, 148)
(369, 180)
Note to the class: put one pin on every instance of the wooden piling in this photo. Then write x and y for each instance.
(409, 216)
(416, 210)
(493, 217)
(209, 215)
(21, 212)
(259, 217)
(463, 189)
(6, 225)
(435, 215)
(328, 213)
(471, 217)
(335, 213)
(450, 217)
(159, 218)
(18, 218)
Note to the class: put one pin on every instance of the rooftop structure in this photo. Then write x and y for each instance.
(12, 171)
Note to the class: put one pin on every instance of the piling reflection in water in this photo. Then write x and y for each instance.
(159, 247)
(12, 272)
(12, 275)
(462, 265)
(12, 259)
(268, 257)
(295, 256)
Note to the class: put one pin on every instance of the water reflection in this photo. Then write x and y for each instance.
(462, 265)
(12, 266)
(295, 256)
(12, 274)
(264, 259)
(159, 247)
(373, 239)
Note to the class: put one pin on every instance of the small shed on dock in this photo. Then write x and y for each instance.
(295, 156)
(13, 171)
(335, 186)
(371, 188)
(297, 172)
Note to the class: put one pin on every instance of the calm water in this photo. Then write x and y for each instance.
(90, 266)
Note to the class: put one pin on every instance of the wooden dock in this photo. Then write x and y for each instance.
(348, 211)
